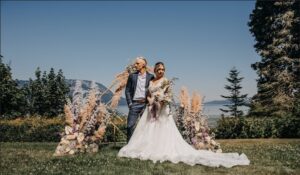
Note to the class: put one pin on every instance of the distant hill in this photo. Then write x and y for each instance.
(86, 84)
(217, 102)
(223, 102)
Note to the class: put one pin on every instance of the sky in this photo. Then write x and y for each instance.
(199, 41)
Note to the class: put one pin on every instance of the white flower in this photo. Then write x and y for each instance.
(80, 137)
(71, 137)
(199, 134)
(219, 151)
(213, 142)
(64, 141)
(197, 126)
(207, 139)
(68, 130)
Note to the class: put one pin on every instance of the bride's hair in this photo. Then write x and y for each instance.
(157, 64)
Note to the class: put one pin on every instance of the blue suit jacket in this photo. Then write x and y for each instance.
(132, 83)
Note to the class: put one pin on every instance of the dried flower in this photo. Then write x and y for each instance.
(83, 137)
(100, 132)
(195, 128)
(184, 98)
(68, 115)
(195, 103)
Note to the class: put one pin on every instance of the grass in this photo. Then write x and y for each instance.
(267, 156)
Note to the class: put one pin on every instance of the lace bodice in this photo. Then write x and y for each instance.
(156, 88)
(161, 90)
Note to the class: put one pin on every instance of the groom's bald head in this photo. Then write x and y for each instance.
(140, 64)
(142, 59)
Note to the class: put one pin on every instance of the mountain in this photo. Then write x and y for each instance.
(217, 102)
(86, 84)
(224, 102)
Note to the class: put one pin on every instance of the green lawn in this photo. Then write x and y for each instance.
(267, 156)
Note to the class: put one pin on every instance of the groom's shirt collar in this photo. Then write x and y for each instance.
(142, 75)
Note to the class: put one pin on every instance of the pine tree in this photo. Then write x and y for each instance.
(36, 95)
(46, 95)
(12, 98)
(56, 93)
(295, 55)
(51, 91)
(275, 26)
(62, 92)
(39, 94)
(237, 100)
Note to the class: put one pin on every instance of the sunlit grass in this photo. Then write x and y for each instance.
(267, 156)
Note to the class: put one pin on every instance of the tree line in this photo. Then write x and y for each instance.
(45, 95)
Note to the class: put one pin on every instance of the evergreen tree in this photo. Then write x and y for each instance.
(63, 91)
(36, 94)
(29, 96)
(56, 93)
(46, 94)
(12, 99)
(235, 97)
(295, 55)
(39, 92)
(51, 93)
(275, 26)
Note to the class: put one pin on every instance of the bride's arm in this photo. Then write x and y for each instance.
(150, 99)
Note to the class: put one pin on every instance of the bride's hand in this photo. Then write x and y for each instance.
(161, 103)
(150, 100)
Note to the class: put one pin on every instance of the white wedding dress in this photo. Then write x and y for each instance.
(160, 140)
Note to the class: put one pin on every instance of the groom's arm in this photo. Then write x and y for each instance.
(127, 90)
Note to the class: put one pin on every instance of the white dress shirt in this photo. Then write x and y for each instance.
(140, 87)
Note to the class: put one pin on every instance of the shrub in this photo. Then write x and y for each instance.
(31, 129)
(254, 127)
(41, 129)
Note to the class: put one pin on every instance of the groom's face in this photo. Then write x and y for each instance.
(139, 64)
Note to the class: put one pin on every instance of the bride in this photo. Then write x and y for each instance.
(157, 138)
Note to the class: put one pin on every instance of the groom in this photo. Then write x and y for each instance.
(136, 92)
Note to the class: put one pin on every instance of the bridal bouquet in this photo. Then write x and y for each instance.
(161, 95)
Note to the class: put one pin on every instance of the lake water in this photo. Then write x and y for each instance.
(210, 110)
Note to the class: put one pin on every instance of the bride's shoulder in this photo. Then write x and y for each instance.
(151, 82)
(165, 79)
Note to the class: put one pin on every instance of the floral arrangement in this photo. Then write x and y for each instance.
(161, 95)
(193, 123)
(85, 124)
